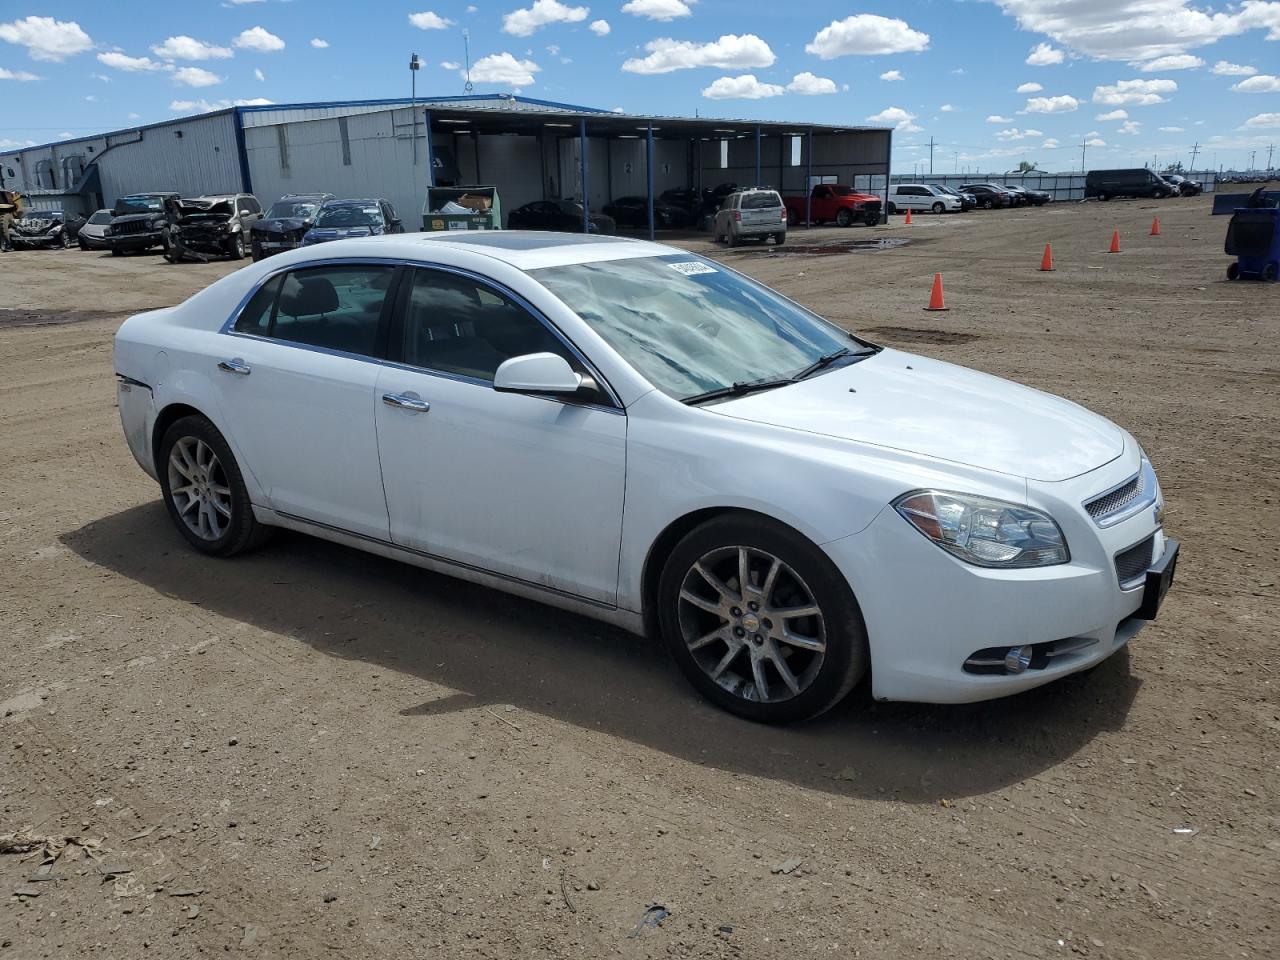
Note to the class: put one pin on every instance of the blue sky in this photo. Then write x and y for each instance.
(991, 81)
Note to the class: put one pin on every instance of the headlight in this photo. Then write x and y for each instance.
(985, 532)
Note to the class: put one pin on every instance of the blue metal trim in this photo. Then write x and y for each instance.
(648, 172)
(245, 179)
(409, 101)
(757, 181)
(582, 156)
(227, 327)
(431, 156)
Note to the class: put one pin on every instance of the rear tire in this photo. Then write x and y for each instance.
(779, 239)
(1104, 197)
(204, 490)
(1269, 273)
(117, 253)
(1233, 271)
(792, 217)
(782, 671)
(730, 240)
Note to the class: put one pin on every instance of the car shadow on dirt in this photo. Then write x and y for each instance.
(491, 649)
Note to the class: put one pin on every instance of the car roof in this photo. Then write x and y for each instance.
(351, 201)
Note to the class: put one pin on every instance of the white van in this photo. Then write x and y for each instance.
(920, 197)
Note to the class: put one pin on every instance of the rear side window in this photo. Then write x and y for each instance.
(335, 308)
(762, 200)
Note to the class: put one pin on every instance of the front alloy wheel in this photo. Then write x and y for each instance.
(760, 620)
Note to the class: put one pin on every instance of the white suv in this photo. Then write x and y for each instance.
(921, 196)
(756, 212)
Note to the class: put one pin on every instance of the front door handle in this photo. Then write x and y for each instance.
(235, 366)
(406, 401)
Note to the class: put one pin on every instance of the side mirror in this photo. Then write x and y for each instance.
(536, 373)
(395, 221)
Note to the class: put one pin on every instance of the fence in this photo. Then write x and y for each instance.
(1060, 186)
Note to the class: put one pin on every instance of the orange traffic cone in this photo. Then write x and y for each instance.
(935, 297)
(908, 220)
(1046, 262)
(1115, 242)
(1155, 227)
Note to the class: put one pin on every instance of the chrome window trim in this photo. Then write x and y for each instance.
(1146, 497)
(228, 327)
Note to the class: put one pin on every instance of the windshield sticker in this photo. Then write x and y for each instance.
(692, 268)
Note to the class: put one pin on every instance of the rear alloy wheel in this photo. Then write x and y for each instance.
(844, 217)
(939, 207)
(204, 490)
(760, 620)
(892, 208)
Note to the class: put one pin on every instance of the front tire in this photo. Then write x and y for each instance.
(204, 490)
(988, 204)
(844, 217)
(1233, 271)
(939, 207)
(1269, 273)
(760, 620)
(235, 247)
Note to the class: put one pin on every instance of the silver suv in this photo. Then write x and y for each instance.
(757, 212)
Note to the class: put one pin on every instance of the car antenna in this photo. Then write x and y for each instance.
(468, 86)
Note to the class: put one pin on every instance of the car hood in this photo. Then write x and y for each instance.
(325, 234)
(133, 217)
(280, 225)
(933, 409)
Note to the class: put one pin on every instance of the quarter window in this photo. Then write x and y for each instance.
(337, 307)
(456, 325)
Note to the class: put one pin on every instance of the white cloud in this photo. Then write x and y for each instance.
(900, 118)
(21, 75)
(1225, 69)
(1029, 88)
(1174, 61)
(259, 75)
(256, 38)
(237, 3)
(46, 38)
(865, 34)
(99, 76)
(664, 10)
(809, 85)
(451, 65)
(1135, 93)
(554, 49)
(195, 77)
(745, 87)
(1050, 144)
(428, 20)
(1013, 133)
(729, 52)
(1139, 29)
(1263, 83)
(1060, 104)
(120, 61)
(946, 108)
(599, 27)
(319, 44)
(208, 106)
(1095, 142)
(189, 48)
(134, 116)
(996, 118)
(1117, 114)
(505, 69)
(523, 22)
(1173, 129)
(891, 75)
(1130, 126)
(1043, 55)
(1264, 121)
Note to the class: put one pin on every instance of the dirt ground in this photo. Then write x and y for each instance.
(310, 752)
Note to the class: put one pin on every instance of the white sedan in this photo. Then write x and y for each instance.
(636, 433)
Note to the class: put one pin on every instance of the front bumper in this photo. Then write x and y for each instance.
(92, 242)
(927, 612)
(133, 242)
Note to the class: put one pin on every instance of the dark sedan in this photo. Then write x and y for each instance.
(562, 215)
(634, 212)
(1034, 198)
(989, 196)
(49, 229)
(285, 224)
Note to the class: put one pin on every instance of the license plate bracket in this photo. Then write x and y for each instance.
(1159, 579)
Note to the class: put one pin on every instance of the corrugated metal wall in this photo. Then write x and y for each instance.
(202, 160)
(512, 164)
(841, 155)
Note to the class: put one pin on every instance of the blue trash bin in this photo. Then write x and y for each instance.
(1253, 238)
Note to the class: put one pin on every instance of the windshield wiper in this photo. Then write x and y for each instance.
(739, 389)
(827, 359)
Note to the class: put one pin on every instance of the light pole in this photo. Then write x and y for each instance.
(414, 64)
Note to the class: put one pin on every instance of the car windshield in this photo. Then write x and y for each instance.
(102, 216)
(349, 215)
(128, 205)
(689, 326)
(286, 209)
(944, 189)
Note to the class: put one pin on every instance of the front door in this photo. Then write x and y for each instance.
(528, 487)
(296, 379)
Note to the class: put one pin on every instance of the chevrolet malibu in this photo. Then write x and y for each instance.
(644, 436)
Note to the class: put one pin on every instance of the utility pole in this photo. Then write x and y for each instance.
(1252, 155)
(957, 162)
(1194, 150)
(1084, 145)
(414, 64)
(931, 155)
(1270, 149)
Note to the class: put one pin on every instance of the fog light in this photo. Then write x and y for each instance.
(1017, 659)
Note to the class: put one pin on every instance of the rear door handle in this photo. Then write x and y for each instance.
(235, 366)
(406, 401)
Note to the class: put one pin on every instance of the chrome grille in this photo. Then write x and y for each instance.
(1116, 500)
(1131, 564)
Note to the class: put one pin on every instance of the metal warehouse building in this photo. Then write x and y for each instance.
(529, 149)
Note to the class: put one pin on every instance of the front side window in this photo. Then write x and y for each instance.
(457, 325)
(337, 307)
(688, 325)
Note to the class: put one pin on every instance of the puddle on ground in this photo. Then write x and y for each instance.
(831, 248)
(919, 334)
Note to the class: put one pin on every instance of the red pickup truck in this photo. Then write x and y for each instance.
(834, 201)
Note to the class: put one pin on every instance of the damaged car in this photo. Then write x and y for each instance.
(137, 223)
(344, 219)
(285, 224)
(198, 228)
(46, 230)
